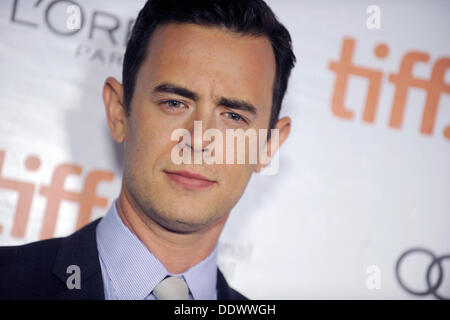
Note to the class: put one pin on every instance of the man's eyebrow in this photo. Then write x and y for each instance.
(231, 103)
(173, 88)
(238, 105)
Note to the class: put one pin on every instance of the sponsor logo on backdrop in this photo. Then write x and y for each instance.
(54, 193)
(104, 33)
(403, 81)
(433, 285)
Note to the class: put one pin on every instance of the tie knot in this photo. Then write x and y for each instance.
(172, 288)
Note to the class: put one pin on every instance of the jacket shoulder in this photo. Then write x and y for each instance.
(38, 270)
(33, 251)
(26, 270)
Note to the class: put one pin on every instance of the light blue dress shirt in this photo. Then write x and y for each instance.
(131, 272)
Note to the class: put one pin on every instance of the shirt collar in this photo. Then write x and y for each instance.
(134, 271)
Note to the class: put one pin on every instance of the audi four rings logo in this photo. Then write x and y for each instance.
(432, 288)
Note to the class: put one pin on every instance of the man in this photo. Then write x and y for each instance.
(222, 63)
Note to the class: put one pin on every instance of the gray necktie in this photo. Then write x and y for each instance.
(172, 288)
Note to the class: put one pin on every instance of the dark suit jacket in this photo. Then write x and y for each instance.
(38, 270)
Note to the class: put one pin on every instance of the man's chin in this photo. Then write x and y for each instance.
(180, 223)
(182, 226)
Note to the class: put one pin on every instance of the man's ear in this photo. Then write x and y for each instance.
(115, 112)
(284, 127)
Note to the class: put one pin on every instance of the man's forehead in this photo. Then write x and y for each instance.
(190, 54)
(215, 43)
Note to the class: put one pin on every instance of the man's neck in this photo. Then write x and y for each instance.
(177, 251)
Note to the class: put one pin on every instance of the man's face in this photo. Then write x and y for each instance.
(213, 64)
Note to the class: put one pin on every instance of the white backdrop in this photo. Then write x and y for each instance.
(358, 185)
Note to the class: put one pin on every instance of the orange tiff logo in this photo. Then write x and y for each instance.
(54, 193)
(403, 80)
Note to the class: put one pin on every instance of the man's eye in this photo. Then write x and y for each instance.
(173, 104)
(234, 116)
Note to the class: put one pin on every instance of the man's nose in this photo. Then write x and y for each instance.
(201, 122)
(195, 149)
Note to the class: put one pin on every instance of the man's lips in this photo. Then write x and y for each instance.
(189, 180)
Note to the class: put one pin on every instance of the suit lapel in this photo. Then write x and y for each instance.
(80, 249)
(222, 287)
(224, 291)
